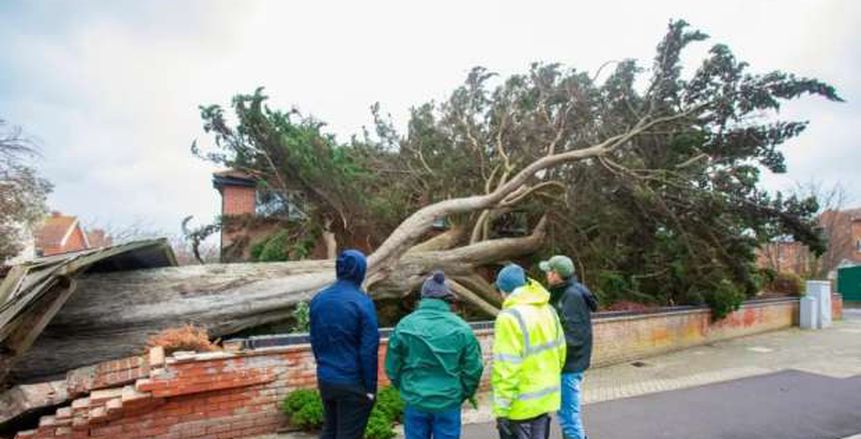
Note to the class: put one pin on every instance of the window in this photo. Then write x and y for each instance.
(269, 203)
(858, 246)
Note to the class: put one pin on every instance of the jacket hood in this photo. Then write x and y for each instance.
(557, 290)
(351, 266)
(530, 294)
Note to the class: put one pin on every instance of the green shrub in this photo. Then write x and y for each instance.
(379, 425)
(309, 417)
(275, 248)
(302, 317)
(725, 299)
(611, 287)
(296, 399)
(389, 401)
(257, 249)
(304, 408)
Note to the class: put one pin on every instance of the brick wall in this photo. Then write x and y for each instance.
(236, 394)
(238, 200)
(620, 339)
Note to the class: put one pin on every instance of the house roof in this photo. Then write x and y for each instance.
(99, 238)
(56, 230)
(232, 177)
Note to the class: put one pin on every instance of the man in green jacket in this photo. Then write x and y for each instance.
(434, 360)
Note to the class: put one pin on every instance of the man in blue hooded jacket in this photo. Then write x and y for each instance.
(345, 340)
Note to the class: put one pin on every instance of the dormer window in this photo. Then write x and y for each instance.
(269, 203)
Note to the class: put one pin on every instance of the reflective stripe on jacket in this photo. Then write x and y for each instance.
(528, 355)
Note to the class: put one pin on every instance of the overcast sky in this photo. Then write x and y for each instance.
(110, 89)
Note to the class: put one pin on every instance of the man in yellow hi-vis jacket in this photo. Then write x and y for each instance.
(528, 356)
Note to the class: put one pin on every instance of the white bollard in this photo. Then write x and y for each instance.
(821, 291)
(808, 310)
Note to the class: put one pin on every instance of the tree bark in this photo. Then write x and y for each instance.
(113, 314)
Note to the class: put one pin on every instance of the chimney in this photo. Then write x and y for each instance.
(56, 213)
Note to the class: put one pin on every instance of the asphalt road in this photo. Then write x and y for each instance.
(783, 405)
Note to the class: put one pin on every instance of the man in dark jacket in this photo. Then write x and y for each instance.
(434, 360)
(573, 303)
(345, 340)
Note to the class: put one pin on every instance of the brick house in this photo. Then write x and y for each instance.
(64, 233)
(99, 238)
(249, 213)
(60, 234)
(785, 256)
(847, 237)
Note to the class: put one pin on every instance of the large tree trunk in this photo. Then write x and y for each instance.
(112, 314)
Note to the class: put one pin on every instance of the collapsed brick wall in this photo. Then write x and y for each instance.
(223, 395)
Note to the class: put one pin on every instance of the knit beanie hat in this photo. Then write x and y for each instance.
(435, 288)
(510, 278)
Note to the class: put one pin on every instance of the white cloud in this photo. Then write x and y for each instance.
(112, 88)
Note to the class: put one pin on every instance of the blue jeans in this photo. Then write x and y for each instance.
(419, 424)
(569, 412)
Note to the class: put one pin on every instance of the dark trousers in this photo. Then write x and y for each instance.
(345, 411)
(535, 428)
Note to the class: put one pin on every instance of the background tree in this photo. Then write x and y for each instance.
(22, 192)
(835, 224)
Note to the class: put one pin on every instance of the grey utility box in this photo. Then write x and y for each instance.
(808, 310)
(821, 291)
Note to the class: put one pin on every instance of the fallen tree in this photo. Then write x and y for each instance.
(112, 314)
(672, 163)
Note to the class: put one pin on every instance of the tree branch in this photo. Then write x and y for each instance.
(422, 220)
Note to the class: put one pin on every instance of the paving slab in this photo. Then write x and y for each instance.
(787, 405)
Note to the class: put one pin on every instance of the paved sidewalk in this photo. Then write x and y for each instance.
(786, 405)
(832, 353)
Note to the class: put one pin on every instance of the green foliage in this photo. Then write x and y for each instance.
(379, 425)
(725, 299)
(288, 152)
(610, 287)
(309, 417)
(304, 408)
(257, 249)
(389, 402)
(302, 317)
(291, 243)
(276, 247)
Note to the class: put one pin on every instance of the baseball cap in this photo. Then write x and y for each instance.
(560, 264)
